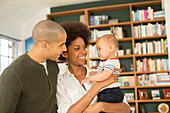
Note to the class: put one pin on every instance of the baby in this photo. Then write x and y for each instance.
(107, 47)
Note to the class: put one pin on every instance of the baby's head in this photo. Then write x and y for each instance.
(107, 46)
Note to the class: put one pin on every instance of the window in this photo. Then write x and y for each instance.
(8, 51)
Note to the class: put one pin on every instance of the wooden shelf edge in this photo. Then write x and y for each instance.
(110, 25)
(120, 40)
(155, 86)
(126, 73)
(127, 87)
(125, 56)
(160, 100)
(149, 21)
(154, 54)
(152, 72)
(150, 37)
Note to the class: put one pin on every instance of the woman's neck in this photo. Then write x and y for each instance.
(78, 71)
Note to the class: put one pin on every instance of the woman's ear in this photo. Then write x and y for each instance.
(64, 54)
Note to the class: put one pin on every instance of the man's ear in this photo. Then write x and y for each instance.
(44, 45)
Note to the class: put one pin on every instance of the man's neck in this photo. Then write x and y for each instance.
(35, 55)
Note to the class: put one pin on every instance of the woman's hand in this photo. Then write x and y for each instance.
(113, 78)
(94, 108)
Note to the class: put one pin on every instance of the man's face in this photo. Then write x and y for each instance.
(57, 48)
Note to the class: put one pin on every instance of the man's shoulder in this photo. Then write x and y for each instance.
(18, 62)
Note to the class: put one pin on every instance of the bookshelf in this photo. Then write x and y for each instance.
(128, 41)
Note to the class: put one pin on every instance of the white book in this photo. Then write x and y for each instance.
(144, 47)
(143, 29)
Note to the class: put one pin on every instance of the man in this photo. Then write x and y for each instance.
(28, 85)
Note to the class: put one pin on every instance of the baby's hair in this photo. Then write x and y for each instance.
(110, 39)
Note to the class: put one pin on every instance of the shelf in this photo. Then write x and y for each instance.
(149, 21)
(150, 37)
(154, 54)
(65, 13)
(131, 101)
(110, 25)
(161, 100)
(152, 72)
(125, 56)
(126, 73)
(120, 40)
(108, 8)
(96, 58)
(155, 86)
(125, 39)
(128, 87)
(146, 3)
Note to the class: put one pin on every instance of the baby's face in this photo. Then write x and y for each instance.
(103, 49)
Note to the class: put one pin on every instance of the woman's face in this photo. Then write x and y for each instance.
(76, 53)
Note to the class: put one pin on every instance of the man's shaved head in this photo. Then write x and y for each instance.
(47, 30)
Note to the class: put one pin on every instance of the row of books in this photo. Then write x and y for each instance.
(153, 79)
(141, 15)
(147, 14)
(117, 32)
(160, 46)
(127, 81)
(152, 65)
(149, 30)
(159, 14)
(97, 20)
(95, 33)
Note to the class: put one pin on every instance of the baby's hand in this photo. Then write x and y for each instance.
(86, 80)
(92, 73)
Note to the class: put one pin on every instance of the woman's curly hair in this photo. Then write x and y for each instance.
(74, 30)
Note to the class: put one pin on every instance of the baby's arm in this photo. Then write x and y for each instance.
(105, 74)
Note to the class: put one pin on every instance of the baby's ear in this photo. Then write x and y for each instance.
(112, 48)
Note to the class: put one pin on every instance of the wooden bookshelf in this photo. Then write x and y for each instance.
(150, 21)
(160, 100)
(156, 86)
(109, 25)
(149, 37)
(153, 54)
(152, 72)
(127, 39)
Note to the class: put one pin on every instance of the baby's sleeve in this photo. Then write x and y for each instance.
(111, 65)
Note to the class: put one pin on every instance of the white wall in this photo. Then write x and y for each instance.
(167, 14)
(26, 31)
(10, 26)
(29, 24)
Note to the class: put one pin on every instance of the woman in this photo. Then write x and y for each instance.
(73, 97)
